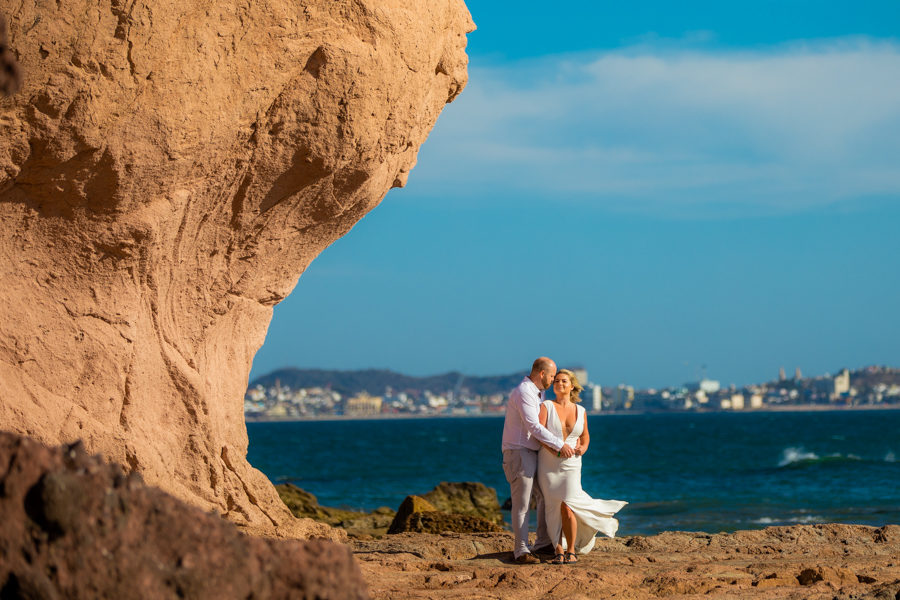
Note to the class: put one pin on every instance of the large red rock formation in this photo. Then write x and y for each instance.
(74, 527)
(167, 172)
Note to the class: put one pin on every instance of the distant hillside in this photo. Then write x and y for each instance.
(375, 381)
(871, 376)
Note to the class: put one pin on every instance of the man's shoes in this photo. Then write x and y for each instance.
(528, 559)
(548, 550)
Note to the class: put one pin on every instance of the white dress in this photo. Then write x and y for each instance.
(560, 481)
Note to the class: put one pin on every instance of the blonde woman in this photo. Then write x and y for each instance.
(573, 517)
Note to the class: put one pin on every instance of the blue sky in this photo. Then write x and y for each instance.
(642, 189)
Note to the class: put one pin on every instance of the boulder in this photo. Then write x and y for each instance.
(466, 498)
(436, 521)
(418, 515)
(409, 506)
(168, 170)
(76, 527)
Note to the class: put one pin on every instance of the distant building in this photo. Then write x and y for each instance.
(623, 396)
(707, 386)
(597, 398)
(581, 375)
(363, 405)
(781, 375)
(797, 374)
(842, 383)
(710, 386)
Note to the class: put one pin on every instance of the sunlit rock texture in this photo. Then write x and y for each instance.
(167, 171)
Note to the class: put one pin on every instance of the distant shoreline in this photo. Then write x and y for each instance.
(772, 409)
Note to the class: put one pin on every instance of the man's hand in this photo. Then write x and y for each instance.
(578, 449)
(566, 451)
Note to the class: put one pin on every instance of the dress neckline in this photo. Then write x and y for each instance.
(562, 426)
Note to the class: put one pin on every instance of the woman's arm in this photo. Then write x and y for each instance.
(584, 440)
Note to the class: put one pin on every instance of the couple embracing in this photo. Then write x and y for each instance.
(543, 442)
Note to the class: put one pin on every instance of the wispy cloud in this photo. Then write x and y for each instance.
(664, 128)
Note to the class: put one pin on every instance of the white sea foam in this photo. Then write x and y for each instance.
(807, 519)
(794, 455)
(889, 457)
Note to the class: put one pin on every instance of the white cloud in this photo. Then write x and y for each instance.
(780, 129)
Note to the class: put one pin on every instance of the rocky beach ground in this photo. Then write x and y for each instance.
(831, 561)
(445, 545)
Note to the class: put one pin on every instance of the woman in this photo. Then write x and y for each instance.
(573, 517)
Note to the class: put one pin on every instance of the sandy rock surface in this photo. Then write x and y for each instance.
(843, 562)
(76, 527)
(167, 172)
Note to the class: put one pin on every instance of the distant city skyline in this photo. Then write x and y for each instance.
(640, 190)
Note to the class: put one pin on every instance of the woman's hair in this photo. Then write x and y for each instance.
(576, 387)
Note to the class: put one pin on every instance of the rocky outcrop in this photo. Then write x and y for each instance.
(418, 515)
(410, 505)
(167, 172)
(813, 562)
(305, 505)
(302, 504)
(75, 527)
(466, 498)
(437, 521)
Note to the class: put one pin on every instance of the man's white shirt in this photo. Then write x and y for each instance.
(521, 428)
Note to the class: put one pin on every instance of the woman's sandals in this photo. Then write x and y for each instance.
(568, 558)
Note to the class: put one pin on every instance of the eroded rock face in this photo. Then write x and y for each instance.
(167, 172)
(75, 527)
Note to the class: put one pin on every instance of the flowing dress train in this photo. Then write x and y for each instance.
(560, 481)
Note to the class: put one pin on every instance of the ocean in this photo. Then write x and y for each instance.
(709, 472)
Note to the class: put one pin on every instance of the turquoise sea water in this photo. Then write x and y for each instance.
(696, 472)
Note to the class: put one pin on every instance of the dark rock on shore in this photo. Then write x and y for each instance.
(72, 526)
(466, 498)
(357, 524)
(464, 507)
(409, 506)
(418, 515)
(436, 521)
(305, 505)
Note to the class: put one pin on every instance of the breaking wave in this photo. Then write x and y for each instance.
(799, 457)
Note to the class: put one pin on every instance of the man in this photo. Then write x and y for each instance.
(522, 438)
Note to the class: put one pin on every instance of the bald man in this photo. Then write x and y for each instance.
(522, 438)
